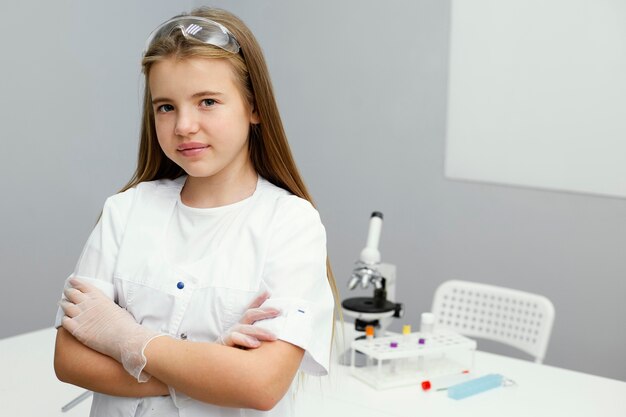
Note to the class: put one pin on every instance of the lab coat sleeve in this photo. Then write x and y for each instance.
(98, 258)
(296, 278)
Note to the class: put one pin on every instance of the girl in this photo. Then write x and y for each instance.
(215, 214)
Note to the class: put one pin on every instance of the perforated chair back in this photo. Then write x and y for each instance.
(516, 318)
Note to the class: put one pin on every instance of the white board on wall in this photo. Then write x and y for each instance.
(537, 94)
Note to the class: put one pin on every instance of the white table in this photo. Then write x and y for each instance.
(28, 387)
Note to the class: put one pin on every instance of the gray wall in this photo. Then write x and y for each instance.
(69, 111)
(362, 90)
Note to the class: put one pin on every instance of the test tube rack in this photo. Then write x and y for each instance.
(400, 360)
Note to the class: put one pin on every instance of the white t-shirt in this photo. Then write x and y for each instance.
(271, 241)
(192, 230)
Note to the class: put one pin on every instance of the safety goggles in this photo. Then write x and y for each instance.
(199, 29)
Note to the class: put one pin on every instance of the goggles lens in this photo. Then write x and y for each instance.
(199, 29)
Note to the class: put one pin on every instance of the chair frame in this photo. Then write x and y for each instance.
(516, 318)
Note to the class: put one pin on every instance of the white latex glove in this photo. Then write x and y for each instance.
(97, 322)
(244, 333)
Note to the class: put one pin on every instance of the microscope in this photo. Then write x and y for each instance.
(379, 310)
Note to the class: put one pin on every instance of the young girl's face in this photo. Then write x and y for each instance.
(202, 120)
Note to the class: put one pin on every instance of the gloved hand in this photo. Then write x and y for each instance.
(244, 333)
(97, 322)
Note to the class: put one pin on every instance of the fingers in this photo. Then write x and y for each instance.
(247, 336)
(255, 332)
(255, 314)
(82, 286)
(69, 308)
(74, 295)
(75, 292)
(240, 339)
(259, 300)
(223, 341)
(79, 291)
(69, 324)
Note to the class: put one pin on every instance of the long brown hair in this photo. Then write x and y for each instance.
(268, 148)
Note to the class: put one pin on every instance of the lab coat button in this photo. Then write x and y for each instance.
(180, 285)
(183, 336)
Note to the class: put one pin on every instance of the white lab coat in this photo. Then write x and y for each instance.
(276, 243)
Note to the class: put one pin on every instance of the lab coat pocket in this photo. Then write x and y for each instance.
(235, 302)
(150, 305)
(231, 284)
(210, 309)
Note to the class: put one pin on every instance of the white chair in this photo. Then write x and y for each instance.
(516, 318)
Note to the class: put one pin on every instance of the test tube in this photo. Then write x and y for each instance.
(369, 336)
(406, 332)
(427, 324)
(440, 383)
(392, 362)
(406, 340)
